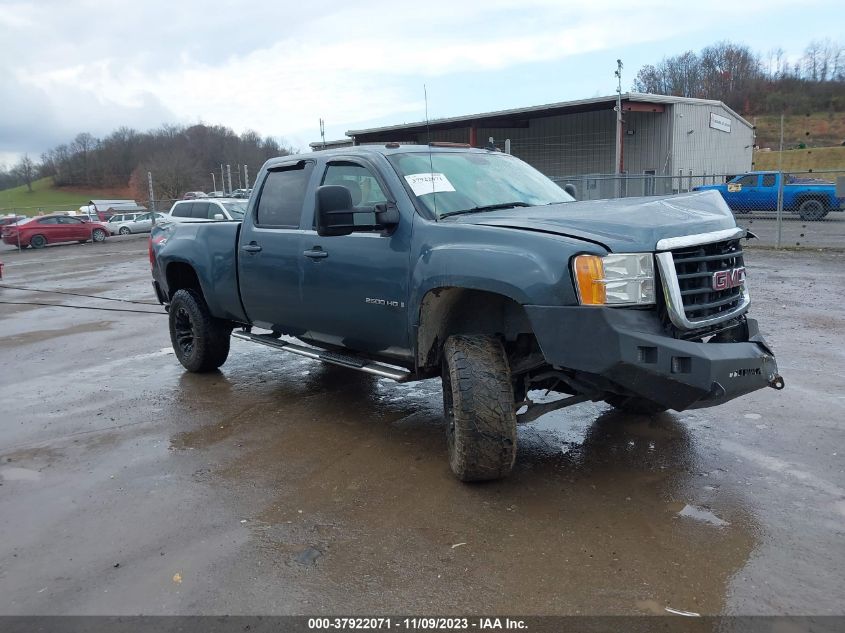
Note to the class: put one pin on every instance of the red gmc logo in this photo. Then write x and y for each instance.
(724, 279)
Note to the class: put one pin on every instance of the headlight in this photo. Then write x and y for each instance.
(615, 280)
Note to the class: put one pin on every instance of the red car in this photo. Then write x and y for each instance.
(50, 229)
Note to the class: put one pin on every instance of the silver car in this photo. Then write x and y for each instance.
(128, 223)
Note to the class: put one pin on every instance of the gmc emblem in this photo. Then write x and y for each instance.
(724, 279)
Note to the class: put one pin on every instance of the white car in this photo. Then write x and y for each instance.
(127, 223)
(207, 210)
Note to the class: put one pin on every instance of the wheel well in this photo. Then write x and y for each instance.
(448, 311)
(810, 196)
(181, 275)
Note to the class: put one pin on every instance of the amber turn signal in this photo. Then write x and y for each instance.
(589, 274)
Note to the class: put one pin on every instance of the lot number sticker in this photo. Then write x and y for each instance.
(422, 184)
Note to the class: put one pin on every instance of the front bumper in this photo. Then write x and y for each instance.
(628, 349)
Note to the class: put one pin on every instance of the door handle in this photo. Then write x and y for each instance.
(316, 253)
(252, 247)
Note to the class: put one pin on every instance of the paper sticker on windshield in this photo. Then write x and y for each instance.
(422, 184)
(734, 187)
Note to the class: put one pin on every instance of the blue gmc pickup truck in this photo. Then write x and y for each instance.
(414, 262)
(758, 191)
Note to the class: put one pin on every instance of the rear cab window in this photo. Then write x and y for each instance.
(282, 196)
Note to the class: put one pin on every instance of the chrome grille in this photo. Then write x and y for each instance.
(695, 266)
(687, 280)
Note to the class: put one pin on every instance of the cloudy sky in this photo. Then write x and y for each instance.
(278, 66)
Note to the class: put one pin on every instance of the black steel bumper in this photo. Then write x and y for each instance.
(629, 349)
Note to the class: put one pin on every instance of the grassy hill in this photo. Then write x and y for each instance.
(819, 129)
(46, 197)
(797, 160)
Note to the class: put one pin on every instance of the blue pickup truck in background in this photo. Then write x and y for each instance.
(758, 191)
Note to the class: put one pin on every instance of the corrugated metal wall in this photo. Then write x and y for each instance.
(700, 149)
(581, 143)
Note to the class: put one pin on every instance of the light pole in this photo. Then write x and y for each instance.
(213, 182)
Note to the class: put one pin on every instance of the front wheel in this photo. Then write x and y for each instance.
(812, 210)
(478, 402)
(98, 235)
(201, 342)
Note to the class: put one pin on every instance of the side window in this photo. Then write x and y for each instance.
(362, 185)
(214, 209)
(200, 210)
(768, 180)
(749, 180)
(182, 210)
(52, 220)
(69, 220)
(360, 181)
(282, 196)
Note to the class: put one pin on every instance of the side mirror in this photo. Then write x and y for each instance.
(219, 216)
(571, 190)
(334, 211)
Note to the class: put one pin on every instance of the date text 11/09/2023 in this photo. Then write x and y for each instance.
(417, 623)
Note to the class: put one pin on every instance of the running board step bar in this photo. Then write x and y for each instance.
(333, 358)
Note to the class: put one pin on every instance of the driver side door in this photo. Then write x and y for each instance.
(356, 286)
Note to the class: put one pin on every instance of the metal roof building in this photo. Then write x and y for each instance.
(665, 143)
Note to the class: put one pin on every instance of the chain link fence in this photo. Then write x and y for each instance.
(784, 209)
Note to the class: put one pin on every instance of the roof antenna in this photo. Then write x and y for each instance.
(430, 159)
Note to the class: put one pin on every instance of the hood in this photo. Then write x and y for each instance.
(621, 225)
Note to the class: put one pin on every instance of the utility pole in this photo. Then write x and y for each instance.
(323, 132)
(213, 182)
(152, 198)
(780, 186)
(222, 179)
(246, 177)
(239, 177)
(229, 171)
(618, 108)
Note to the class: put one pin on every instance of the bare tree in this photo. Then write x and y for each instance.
(25, 171)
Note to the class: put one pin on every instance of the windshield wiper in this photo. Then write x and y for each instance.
(487, 207)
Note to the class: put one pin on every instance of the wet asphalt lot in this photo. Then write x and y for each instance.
(278, 485)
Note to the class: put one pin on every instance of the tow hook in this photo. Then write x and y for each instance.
(776, 382)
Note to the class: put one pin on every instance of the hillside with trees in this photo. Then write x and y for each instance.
(180, 159)
(758, 85)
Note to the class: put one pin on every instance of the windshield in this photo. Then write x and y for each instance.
(448, 183)
(236, 209)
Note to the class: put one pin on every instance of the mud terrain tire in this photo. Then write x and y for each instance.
(478, 403)
(200, 341)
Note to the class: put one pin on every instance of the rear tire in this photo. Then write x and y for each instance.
(124, 230)
(201, 342)
(478, 402)
(38, 241)
(812, 210)
(632, 404)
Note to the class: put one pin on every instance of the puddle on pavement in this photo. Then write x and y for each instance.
(13, 473)
(39, 336)
(338, 462)
(697, 513)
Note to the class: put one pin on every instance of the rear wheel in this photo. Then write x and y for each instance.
(812, 210)
(124, 230)
(479, 406)
(98, 235)
(37, 241)
(632, 404)
(201, 342)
